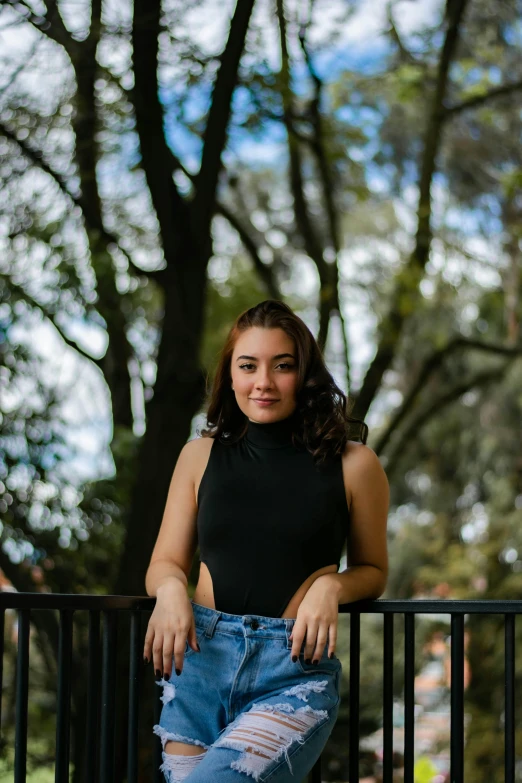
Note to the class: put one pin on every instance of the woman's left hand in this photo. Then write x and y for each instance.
(316, 620)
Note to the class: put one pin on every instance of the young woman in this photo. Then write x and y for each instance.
(271, 492)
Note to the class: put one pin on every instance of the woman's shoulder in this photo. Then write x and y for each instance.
(357, 454)
(358, 459)
(198, 450)
(360, 462)
(200, 445)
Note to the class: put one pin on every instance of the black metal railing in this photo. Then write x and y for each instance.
(100, 713)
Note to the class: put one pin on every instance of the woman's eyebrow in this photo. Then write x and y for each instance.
(277, 356)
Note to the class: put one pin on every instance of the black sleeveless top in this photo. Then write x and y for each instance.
(267, 519)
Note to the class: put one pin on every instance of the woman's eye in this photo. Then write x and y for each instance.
(283, 364)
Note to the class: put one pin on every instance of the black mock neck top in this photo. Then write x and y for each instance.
(268, 518)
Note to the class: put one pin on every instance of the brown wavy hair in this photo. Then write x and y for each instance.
(323, 423)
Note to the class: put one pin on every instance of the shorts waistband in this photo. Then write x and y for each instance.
(242, 624)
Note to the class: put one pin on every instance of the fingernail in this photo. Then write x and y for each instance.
(145, 659)
(315, 662)
(307, 660)
(331, 655)
(166, 676)
(158, 673)
(294, 658)
(199, 648)
(178, 672)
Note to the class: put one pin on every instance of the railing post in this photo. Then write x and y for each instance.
(509, 697)
(409, 695)
(457, 699)
(134, 683)
(2, 635)
(22, 693)
(355, 674)
(108, 696)
(63, 717)
(387, 707)
(93, 698)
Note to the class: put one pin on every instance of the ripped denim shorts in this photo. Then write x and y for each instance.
(254, 712)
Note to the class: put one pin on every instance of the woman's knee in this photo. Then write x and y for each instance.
(180, 760)
(183, 749)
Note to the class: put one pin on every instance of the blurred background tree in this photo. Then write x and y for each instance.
(156, 182)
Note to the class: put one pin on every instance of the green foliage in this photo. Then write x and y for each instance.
(41, 775)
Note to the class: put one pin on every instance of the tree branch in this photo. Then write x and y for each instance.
(264, 271)
(405, 54)
(92, 221)
(303, 219)
(52, 318)
(268, 114)
(51, 25)
(114, 366)
(83, 59)
(157, 159)
(430, 365)
(408, 280)
(479, 100)
(318, 147)
(312, 242)
(328, 275)
(435, 406)
(215, 136)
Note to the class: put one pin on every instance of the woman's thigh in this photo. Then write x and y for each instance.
(277, 740)
(223, 765)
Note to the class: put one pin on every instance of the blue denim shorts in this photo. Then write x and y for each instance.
(254, 712)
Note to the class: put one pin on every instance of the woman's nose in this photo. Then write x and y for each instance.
(263, 380)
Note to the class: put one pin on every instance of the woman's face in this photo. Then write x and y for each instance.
(264, 366)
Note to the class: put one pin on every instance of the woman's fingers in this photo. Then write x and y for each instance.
(297, 636)
(167, 633)
(165, 650)
(179, 650)
(325, 635)
(317, 636)
(167, 657)
(332, 639)
(147, 647)
(311, 639)
(157, 655)
(322, 638)
(194, 639)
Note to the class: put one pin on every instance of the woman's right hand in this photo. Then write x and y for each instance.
(171, 624)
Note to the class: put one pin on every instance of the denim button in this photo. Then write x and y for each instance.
(254, 625)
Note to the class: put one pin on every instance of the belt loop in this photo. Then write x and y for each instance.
(209, 632)
(289, 624)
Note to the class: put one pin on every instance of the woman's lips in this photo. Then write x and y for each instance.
(265, 403)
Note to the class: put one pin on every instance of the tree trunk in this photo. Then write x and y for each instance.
(179, 394)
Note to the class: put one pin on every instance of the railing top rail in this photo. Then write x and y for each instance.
(14, 600)
(435, 606)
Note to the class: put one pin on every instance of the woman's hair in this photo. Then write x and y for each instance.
(323, 423)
